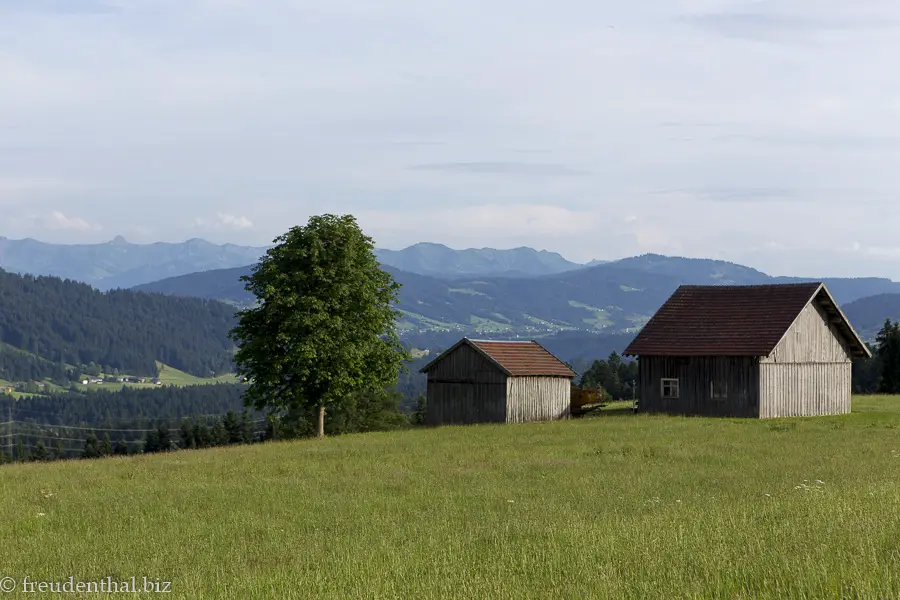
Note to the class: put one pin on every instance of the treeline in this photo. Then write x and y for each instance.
(129, 407)
(33, 442)
(65, 322)
(131, 421)
(616, 377)
(881, 373)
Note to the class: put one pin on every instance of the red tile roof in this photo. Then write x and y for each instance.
(745, 320)
(515, 358)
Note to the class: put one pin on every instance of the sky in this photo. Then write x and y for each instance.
(763, 133)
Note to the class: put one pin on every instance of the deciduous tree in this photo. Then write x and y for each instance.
(324, 324)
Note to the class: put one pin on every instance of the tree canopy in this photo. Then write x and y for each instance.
(323, 327)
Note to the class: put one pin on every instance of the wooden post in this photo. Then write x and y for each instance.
(321, 421)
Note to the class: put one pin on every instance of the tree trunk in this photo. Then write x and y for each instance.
(322, 421)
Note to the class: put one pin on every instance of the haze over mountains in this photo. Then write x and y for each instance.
(614, 298)
(502, 293)
(119, 263)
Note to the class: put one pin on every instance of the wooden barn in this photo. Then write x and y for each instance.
(478, 381)
(781, 350)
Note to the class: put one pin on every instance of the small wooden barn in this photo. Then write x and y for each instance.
(481, 381)
(779, 350)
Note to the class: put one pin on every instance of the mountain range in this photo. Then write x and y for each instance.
(501, 293)
(121, 264)
(617, 297)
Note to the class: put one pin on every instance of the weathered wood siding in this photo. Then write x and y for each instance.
(811, 339)
(804, 390)
(538, 398)
(808, 373)
(696, 374)
(464, 387)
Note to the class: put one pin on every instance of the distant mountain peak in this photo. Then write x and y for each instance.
(119, 240)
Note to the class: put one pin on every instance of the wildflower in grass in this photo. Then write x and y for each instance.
(41, 514)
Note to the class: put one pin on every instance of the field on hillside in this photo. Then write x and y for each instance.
(614, 506)
(167, 376)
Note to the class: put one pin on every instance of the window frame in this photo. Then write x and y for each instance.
(723, 390)
(672, 383)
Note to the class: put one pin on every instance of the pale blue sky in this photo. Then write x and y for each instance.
(767, 133)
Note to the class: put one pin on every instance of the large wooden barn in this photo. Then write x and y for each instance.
(479, 381)
(751, 351)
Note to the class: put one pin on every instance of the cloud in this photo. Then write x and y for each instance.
(779, 24)
(56, 220)
(71, 7)
(224, 221)
(546, 130)
(506, 224)
(736, 194)
(500, 168)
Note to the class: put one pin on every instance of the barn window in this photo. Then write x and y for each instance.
(669, 388)
(718, 390)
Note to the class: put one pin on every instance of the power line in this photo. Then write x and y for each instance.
(81, 428)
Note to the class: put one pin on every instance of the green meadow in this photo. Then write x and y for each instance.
(612, 506)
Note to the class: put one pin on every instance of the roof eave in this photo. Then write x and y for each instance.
(862, 351)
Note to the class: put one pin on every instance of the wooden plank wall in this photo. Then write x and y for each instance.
(811, 339)
(694, 374)
(804, 389)
(809, 372)
(538, 399)
(464, 387)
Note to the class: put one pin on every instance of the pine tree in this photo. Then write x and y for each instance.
(165, 438)
(232, 428)
(151, 442)
(219, 434)
(91, 447)
(106, 446)
(40, 452)
(187, 438)
(888, 351)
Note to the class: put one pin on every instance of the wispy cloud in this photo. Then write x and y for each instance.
(778, 25)
(71, 7)
(224, 221)
(734, 194)
(417, 115)
(56, 220)
(500, 168)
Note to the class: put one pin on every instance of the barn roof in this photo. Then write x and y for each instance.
(514, 358)
(737, 320)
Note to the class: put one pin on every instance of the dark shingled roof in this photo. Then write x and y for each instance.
(741, 320)
(516, 359)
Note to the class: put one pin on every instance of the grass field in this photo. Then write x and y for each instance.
(614, 506)
(172, 376)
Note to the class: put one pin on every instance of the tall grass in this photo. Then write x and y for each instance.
(615, 506)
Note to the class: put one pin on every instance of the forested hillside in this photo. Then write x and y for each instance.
(868, 314)
(62, 324)
(613, 298)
